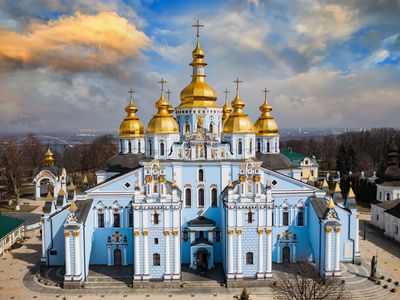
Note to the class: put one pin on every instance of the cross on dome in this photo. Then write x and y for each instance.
(265, 91)
(168, 93)
(197, 25)
(237, 81)
(226, 92)
(162, 81)
(131, 92)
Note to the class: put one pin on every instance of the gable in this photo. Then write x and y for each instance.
(284, 182)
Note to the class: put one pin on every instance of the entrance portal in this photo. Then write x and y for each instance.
(117, 257)
(286, 254)
(202, 259)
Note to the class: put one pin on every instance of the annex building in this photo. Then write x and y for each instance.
(201, 185)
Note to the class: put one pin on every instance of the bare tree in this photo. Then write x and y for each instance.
(302, 281)
(12, 170)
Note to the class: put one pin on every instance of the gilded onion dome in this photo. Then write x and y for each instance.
(266, 124)
(238, 121)
(131, 126)
(198, 93)
(48, 158)
(162, 122)
(227, 109)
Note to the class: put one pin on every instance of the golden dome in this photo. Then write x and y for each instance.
(238, 121)
(198, 93)
(131, 126)
(162, 122)
(49, 158)
(266, 124)
(226, 111)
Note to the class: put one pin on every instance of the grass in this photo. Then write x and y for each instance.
(11, 208)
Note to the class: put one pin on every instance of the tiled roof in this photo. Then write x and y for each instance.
(9, 224)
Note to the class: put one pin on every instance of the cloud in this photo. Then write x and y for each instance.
(73, 43)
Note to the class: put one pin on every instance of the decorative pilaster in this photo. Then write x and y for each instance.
(357, 241)
(167, 274)
(146, 275)
(239, 272)
(109, 255)
(269, 253)
(230, 274)
(337, 271)
(260, 273)
(136, 256)
(328, 267)
(77, 253)
(67, 256)
(177, 256)
(278, 246)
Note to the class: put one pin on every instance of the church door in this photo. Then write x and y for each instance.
(286, 254)
(202, 259)
(117, 257)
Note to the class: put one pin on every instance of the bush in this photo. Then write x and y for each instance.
(385, 286)
(389, 280)
(393, 290)
(378, 282)
(396, 283)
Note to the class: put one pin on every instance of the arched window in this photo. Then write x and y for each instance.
(130, 218)
(268, 147)
(100, 219)
(211, 128)
(201, 198)
(156, 218)
(139, 146)
(162, 149)
(185, 235)
(250, 217)
(388, 196)
(150, 148)
(300, 216)
(251, 146)
(187, 128)
(258, 146)
(201, 175)
(120, 145)
(240, 148)
(214, 197)
(117, 220)
(285, 217)
(249, 258)
(188, 197)
(156, 259)
(129, 147)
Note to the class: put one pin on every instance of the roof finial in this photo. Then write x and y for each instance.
(197, 25)
(168, 93)
(131, 92)
(265, 91)
(237, 81)
(226, 92)
(162, 81)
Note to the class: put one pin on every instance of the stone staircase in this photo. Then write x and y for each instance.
(109, 278)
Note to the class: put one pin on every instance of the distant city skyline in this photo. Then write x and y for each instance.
(69, 65)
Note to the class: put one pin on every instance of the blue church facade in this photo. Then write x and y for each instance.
(201, 185)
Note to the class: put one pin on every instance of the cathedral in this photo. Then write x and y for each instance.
(200, 187)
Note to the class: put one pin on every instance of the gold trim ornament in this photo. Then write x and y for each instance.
(268, 231)
(145, 233)
(76, 233)
(166, 232)
(230, 231)
(239, 231)
(260, 231)
(328, 230)
(136, 233)
(67, 234)
(337, 229)
(162, 179)
(242, 178)
(148, 179)
(357, 216)
(175, 232)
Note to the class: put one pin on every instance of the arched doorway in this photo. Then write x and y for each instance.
(286, 254)
(202, 259)
(117, 257)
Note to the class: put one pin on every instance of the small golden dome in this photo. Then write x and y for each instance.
(162, 122)
(266, 124)
(238, 121)
(131, 126)
(227, 109)
(198, 93)
(48, 158)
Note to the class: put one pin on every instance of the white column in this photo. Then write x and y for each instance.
(109, 255)
(136, 254)
(328, 249)
(77, 254)
(294, 253)
(337, 251)
(295, 215)
(145, 255)
(167, 274)
(177, 255)
(260, 273)
(67, 254)
(230, 253)
(43, 241)
(278, 256)
(211, 236)
(192, 236)
(269, 253)
(239, 254)
(357, 242)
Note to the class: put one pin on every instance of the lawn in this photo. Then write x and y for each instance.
(4, 207)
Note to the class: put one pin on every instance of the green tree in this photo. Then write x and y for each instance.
(244, 295)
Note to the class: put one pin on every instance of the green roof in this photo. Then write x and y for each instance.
(9, 224)
(294, 156)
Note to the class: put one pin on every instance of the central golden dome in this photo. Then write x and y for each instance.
(162, 122)
(266, 124)
(238, 121)
(131, 126)
(198, 93)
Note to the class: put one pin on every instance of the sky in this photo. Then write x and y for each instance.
(68, 65)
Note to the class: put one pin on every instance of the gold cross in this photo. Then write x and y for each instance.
(265, 91)
(197, 25)
(237, 81)
(131, 92)
(162, 81)
(168, 93)
(226, 92)
(201, 212)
